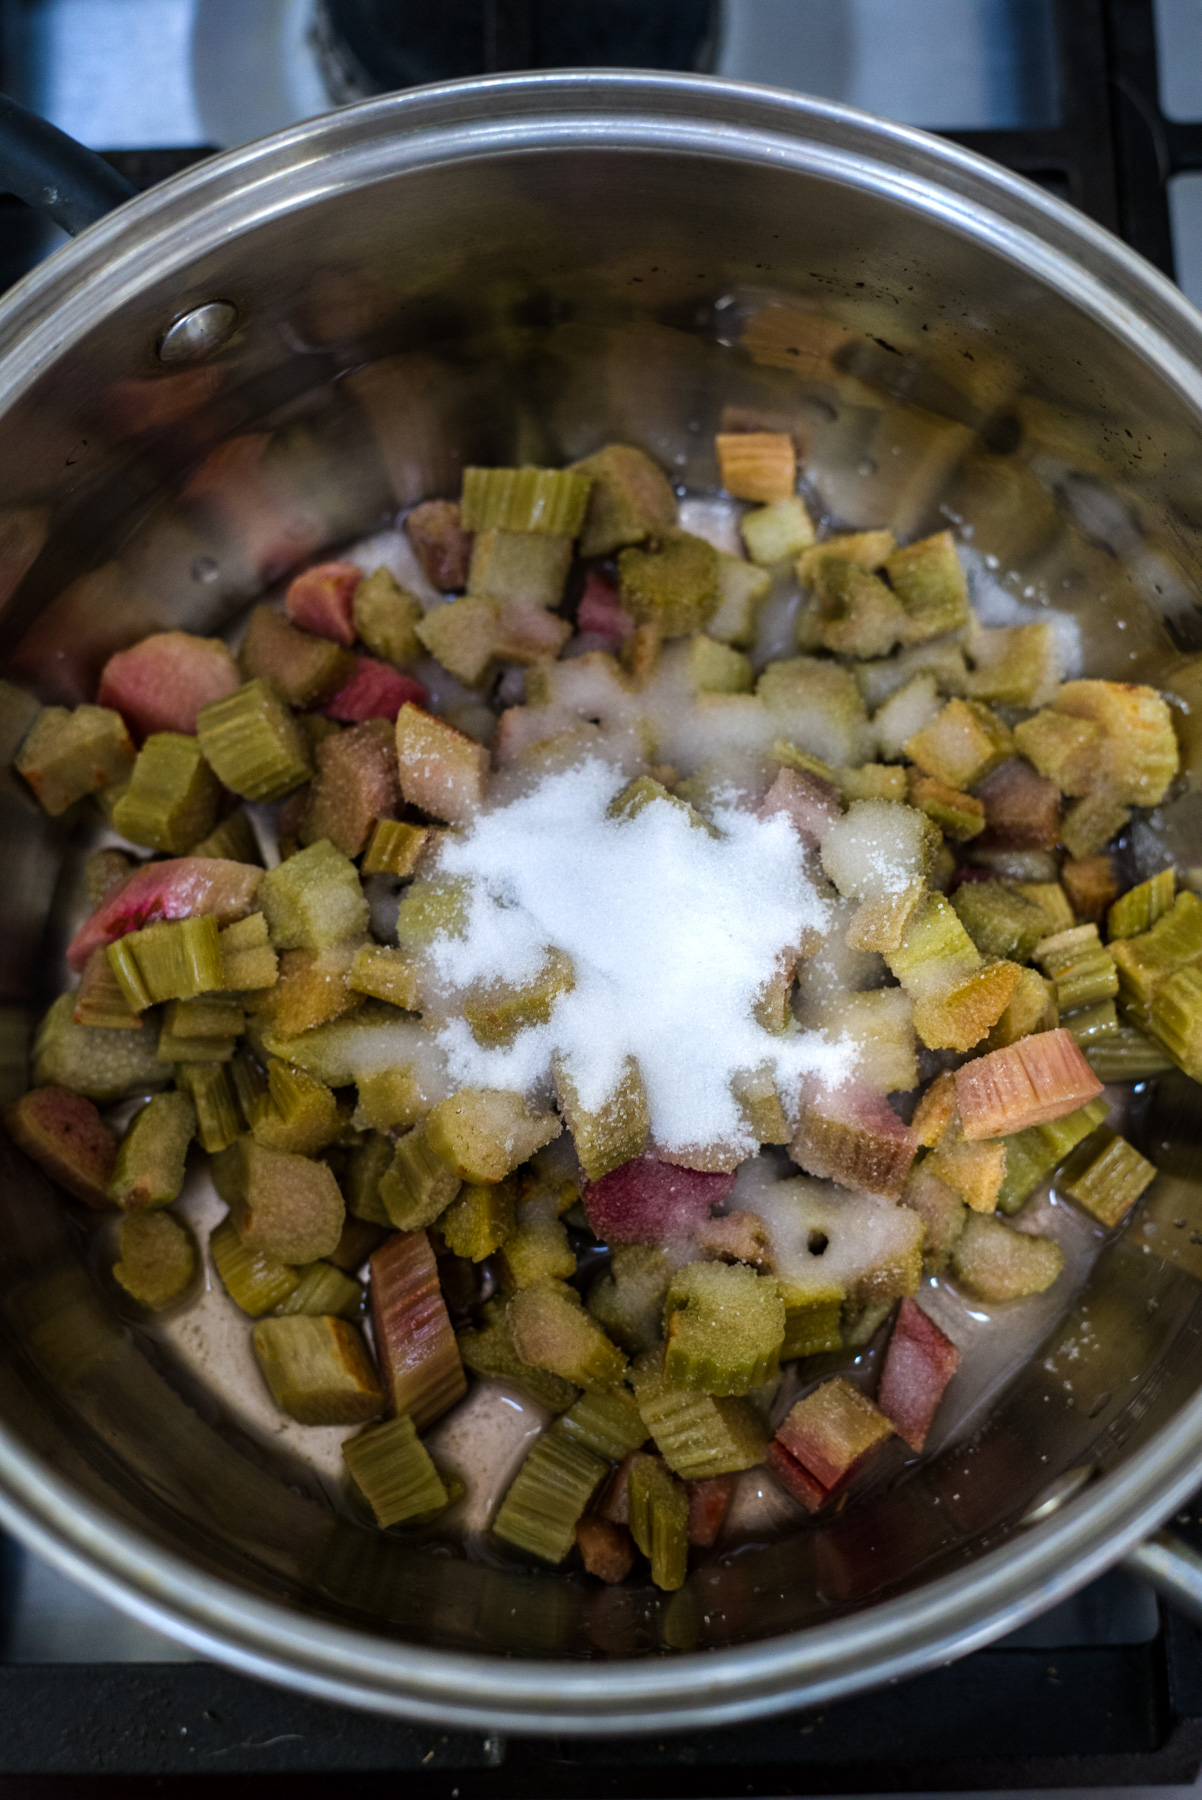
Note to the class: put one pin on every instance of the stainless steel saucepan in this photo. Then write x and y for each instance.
(269, 354)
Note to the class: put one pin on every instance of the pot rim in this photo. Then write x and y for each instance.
(610, 110)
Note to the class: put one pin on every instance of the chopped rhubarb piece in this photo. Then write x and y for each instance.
(794, 1478)
(441, 770)
(65, 1135)
(850, 1135)
(600, 611)
(525, 634)
(606, 1550)
(443, 547)
(831, 1431)
(374, 691)
(162, 683)
(919, 1363)
(322, 600)
(355, 786)
(177, 889)
(645, 1201)
(419, 1358)
(1040, 1078)
(709, 1503)
(1022, 809)
(810, 804)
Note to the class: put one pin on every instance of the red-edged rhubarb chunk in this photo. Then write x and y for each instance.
(162, 683)
(645, 1201)
(168, 890)
(709, 1503)
(374, 691)
(825, 1439)
(321, 600)
(419, 1358)
(810, 804)
(850, 1135)
(66, 1136)
(919, 1363)
(1022, 809)
(443, 547)
(600, 611)
(1042, 1077)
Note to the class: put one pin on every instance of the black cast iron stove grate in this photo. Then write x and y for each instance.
(1079, 1714)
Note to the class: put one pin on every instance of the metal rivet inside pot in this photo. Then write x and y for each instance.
(198, 333)
(1057, 1493)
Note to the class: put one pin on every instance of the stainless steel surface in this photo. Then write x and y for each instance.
(1058, 1493)
(198, 332)
(527, 268)
(1173, 1568)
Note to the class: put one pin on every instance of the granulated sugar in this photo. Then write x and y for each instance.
(673, 934)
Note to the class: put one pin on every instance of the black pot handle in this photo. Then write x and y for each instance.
(42, 165)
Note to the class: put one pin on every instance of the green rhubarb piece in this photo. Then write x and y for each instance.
(551, 500)
(366, 1167)
(860, 616)
(432, 908)
(942, 1212)
(248, 962)
(714, 668)
(1052, 900)
(861, 1324)
(478, 1222)
(552, 1330)
(418, 1186)
(168, 961)
(102, 1064)
(538, 1248)
(490, 1352)
(998, 920)
(519, 568)
(929, 582)
(234, 840)
(324, 1291)
(292, 1206)
(254, 744)
(1175, 1016)
(645, 791)
(696, 1434)
(614, 1132)
(608, 1424)
(210, 1015)
(158, 1259)
(1066, 750)
(254, 1281)
(742, 589)
(297, 1113)
(628, 1299)
(1031, 1155)
(658, 1509)
(548, 1495)
(303, 668)
(218, 1114)
(1081, 967)
(171, 799)
(1091, 822)
(99, 1001)
(247, 1080)
(1138, 909)
(394, 848)
(498, 1011)
(935, 949)
(1174, 940)
(69, 754)
(318, 1370)
(174, 1047)
(996, 1262)
(812, 1325)
(1088, 1024)
(958, 815)
(1127, 1054)
(1106, 1176)
(777, 532)
(724, 1326)
(359, 1238)
(483, 1134)
(385, 616)
(631, 499)
(673, 585)
(962, 744)
(1012, 664)
(462, 635)
(151, 1160)
(314, 900)
(395, 1473)
(387, 975)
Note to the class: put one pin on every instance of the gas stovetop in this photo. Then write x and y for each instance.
(1101, 102)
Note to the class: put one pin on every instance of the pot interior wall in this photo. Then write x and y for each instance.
(532, 306)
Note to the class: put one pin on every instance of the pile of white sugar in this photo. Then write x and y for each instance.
(672, 932)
